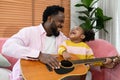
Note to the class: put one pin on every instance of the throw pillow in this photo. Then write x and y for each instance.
(4, 74)
(4, 62)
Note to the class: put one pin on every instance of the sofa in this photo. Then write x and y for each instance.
(6, 63)
(101, 48)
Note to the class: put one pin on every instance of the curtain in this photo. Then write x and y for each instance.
(111, 9)
(118, 28)
(14, 14)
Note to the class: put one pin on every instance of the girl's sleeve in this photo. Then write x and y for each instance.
(62, 48)
(90, 55)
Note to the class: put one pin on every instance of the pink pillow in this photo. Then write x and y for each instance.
(102, 48)
(10, 59)
(2, 41)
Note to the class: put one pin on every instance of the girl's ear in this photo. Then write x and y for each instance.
(82, 36)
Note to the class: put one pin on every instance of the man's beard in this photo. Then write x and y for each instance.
(54, 30)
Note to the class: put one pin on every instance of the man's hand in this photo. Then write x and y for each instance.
(108, 63)
(111, 63)
(50, 60)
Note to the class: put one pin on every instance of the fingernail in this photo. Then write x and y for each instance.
(58, 67)
(59, 63)
(52, 67)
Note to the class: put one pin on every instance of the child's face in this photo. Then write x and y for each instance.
(77, 33)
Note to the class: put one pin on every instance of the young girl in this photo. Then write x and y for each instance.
(76, 45)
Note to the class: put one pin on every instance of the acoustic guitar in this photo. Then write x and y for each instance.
(34, 70)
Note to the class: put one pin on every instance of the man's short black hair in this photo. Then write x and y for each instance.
(51, 10)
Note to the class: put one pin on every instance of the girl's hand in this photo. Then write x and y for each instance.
(66, 55)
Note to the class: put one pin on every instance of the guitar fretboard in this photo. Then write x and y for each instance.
(87, 61)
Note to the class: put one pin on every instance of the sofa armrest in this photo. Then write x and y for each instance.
(10, 59)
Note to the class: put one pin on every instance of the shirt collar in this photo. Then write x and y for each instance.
(42, 30)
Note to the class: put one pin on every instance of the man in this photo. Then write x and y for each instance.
(37, 42)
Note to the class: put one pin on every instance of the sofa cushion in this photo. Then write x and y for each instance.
(4, 62)
(103, 48)
(10, 59)
(4, 74)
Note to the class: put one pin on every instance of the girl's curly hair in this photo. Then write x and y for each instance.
(89, 35)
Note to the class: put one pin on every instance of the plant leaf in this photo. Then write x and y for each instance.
(86, 25)
(84, 18)
(105, 30)
(94, 3)
(90, 9)
(80, 5)
(93, 16)
(93, 12)
(84, 12)
(99, 12)
(87, 2)
(106, 18)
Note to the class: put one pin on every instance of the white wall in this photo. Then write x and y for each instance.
(74, 16)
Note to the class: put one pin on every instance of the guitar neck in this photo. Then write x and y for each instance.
(87, 61)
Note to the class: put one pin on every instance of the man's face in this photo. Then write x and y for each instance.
(57, 23)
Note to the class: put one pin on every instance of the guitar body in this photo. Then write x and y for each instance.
(34, 70)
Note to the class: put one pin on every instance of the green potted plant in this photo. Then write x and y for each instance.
(92, 17)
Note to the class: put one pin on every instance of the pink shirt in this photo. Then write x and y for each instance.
(28, 42)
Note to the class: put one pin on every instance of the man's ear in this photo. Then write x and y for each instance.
(50, 19)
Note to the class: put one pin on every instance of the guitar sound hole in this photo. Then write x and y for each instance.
(66, 67)
(66, 63)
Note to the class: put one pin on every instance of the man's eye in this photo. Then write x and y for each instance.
(60, 26)
(61, 21)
